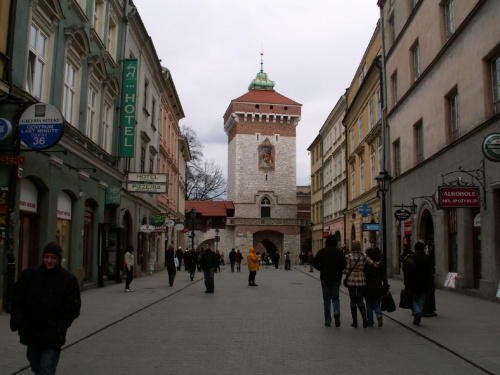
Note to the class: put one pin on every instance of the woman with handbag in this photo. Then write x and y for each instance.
(375, 285)
(356, 282)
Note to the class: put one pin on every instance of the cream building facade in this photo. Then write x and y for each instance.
(443, 74)
(363, 127)
(334, 172)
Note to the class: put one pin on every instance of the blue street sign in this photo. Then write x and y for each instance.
(370, 227)
(364, 210)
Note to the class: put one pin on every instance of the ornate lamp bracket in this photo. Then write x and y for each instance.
(475, 174)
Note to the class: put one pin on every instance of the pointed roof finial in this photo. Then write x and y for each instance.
(261, 61)
(261, 82)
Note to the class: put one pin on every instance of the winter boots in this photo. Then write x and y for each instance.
(362, 311)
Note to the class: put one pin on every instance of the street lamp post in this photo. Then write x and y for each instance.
(193, 217)
(383, 180)
(217, 238)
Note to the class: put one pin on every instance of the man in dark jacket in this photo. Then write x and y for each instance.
(208, 264)
(330, 261)
(417, 269)
(46, 302)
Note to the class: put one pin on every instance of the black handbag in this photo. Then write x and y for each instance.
(387, 303)
(405, 299)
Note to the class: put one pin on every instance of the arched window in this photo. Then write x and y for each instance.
(265, 207)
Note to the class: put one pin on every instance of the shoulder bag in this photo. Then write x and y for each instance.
(350, 271)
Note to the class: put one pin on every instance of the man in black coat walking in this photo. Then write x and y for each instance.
(417, 269)
(330, 261)
(46, 302)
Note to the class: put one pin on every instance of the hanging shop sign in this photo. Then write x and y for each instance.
(158, 178)
(459, 196)
(402, 214)
(129, 104)
(147, 228)
(41, 126)
(113, 195)
(170, 223)
(5, 128)
(408, 227)
(491, 147)
(179, 226)
(137, 187)
(158, 221)
(370, 227)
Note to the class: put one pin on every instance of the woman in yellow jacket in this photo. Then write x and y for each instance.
(253, 266)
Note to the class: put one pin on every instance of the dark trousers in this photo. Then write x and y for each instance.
(43, 360)
(130, 277)
(251, 277)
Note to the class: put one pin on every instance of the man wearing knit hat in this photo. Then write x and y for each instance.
(46, 302)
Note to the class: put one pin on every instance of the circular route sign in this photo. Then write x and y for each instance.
(41, 126)
(491, 147)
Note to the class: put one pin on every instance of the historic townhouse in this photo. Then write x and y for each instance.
(442, 68)
(316, 153)
(69, 58)
(334, 173)
(364, 145)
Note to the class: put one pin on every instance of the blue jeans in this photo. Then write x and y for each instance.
(43, 361)
(372, 304)
(209, 279)
(330, 294)
(418, 302)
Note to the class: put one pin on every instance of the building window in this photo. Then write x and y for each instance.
(145, 97)
(380, 161)
(353, 181)
(352, 140)
(415, 52)
(360, 128)
(453, 115)
(106, 128)
(379, 105)
(373, 164)
(91, 111)
(495, 76)
(419, 141)
(143, 159)
(265, 207)
(394, 80)
(151, 164)
(370, 114)
(397, 158)
(36, 62)
(413, 3)
(362, 173)
(449, 18)
(69, 92)
(392, 29)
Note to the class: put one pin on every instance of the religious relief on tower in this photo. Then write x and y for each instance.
(266, 155)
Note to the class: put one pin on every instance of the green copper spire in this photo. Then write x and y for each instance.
(261, 82)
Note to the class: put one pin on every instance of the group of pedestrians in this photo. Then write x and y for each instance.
(366, 281)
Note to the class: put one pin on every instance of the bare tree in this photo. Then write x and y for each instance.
(204, 182)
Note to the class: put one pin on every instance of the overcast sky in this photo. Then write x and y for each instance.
(312, 49)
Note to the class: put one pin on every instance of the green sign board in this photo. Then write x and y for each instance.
(113, 195)
(129, 101)
(157, 221)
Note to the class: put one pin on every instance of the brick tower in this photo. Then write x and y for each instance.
(261, 129)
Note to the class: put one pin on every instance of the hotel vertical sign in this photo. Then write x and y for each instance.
(129, 101)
